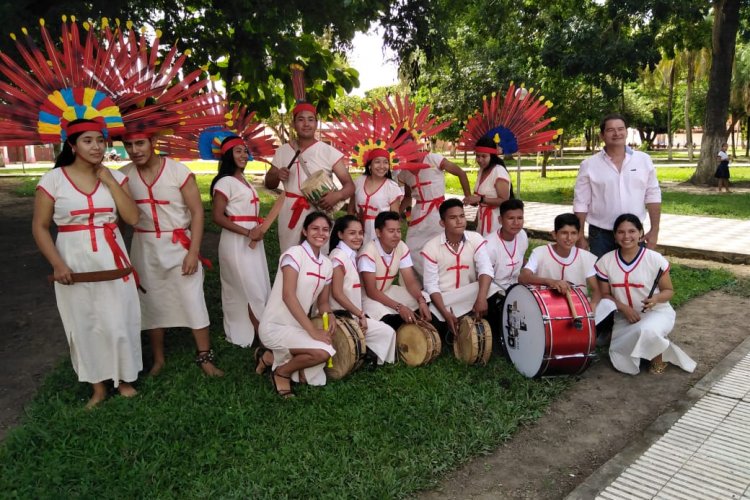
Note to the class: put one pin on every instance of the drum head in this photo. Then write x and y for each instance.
(417, 345)
(474, 341)
(524, 330)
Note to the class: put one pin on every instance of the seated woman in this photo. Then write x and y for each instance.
(101, 318)
(346, 289)
(299, 350)
(637, 280)
(375, 191)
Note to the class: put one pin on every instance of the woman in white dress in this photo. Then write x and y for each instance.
(375, 192)
(492, 187)
(101, 318)
(245, 285)
(637, 280)
(346, 289)
(299, 350)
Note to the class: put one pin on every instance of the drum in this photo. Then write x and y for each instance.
(541, 335)
(317, 186)
(418, 343)
(473, 344)
(349, 342)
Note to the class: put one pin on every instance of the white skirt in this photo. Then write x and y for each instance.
(281, 338)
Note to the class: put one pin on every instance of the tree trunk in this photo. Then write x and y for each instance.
(688, 97)
(747, 140)
(669, 109)
(732, 127)
(723, 41)
(545, 159)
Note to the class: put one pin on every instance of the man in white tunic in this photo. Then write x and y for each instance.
(379, 262)
(457, 269)
(293, 163)
(166, 249)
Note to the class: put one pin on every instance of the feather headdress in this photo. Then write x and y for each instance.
(404, 115)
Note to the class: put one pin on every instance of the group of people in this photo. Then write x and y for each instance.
(347, 267)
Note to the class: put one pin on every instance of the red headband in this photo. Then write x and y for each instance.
(377, 153)
(231, 144)
(134, 136)
(85, 127)
(484, 149)
(304, 106)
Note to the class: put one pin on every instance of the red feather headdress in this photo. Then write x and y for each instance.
(403, 114)
(116, 75)
(365, 132)
(515, 123)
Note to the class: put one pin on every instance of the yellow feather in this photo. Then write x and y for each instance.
(41, 21)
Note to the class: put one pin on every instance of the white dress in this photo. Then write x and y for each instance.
(631, 283)
(428, 190)
(507, 257)
(318, 156)
(279, 330)
(160, 244)
(101, 319)
(380, 338)
(488, 215)
(455, 274)
(369, 205)
(372, 258)
(244, 270)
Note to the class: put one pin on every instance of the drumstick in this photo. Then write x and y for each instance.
(325, 327)
(653, 287)
(296, 154)
(577, 321)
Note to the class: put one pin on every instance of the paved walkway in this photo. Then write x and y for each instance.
(696, 237)
(704, 454)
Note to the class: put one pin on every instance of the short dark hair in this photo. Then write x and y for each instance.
(383, 217)
(567, 220)
(611, 116)
(512, 204)
(447, 205)
(628, 218)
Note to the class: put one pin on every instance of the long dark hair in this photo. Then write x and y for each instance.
(341, 225)
(311, 217)
(67, 156)
(368, 172)
(495, 160)
(227, 165)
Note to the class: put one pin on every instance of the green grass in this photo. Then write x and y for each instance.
(380, 434)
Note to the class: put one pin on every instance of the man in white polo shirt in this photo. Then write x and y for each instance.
(614, 181)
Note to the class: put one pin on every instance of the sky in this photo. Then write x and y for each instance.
(367, 57)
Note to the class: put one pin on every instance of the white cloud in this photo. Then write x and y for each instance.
(376, 68)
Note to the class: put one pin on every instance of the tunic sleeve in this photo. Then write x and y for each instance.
(393, 192)
(533, 263)
(49, 183)
(180, 173)
(119, 177)
(224, 186)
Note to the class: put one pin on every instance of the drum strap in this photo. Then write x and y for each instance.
(481, 342)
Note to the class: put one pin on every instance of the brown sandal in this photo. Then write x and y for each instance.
(284, 393)
(261, 367)
(658, 367)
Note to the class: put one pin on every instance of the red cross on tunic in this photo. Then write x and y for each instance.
(388, 277)
(562, 264)
(458, 267)
(418, 186)
(92, 211)
(511, 255)
(366, 207)
(151, 200)
(626, 284)
(249, 218)
(318, 276)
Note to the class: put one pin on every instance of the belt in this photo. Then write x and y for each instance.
(299, 206)
(432, 204)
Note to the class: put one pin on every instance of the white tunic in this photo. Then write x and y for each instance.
(506, 257)
(279, 330)
(244, 270)
(160, 244)
(575, 268)
(631, 283)
(101, 319)
(488, 215)
(318, 156)
(454, 274)
(380, 338)
(428, 191)
(369, 205)
(372, 258)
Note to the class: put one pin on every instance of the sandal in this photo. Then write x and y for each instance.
(203, 357)
(284, 393)
(261, 367)
(658, 367)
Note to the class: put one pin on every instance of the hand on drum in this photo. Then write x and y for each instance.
(424, 311)
(362, 320)
(560, 286)
(452, 321)
(406, 313)
(328, 201)
(480, 307)
(321, 335)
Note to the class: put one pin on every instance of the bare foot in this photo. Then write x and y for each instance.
(126, 390)
(99, 395)
(156, 368)
(211, 370)
(264, 363)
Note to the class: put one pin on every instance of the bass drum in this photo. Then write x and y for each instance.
(541, 335)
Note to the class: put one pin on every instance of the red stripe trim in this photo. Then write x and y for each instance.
(40, 188)
(427, 257)
(187, 179)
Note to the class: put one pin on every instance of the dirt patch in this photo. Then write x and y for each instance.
(686, 187)
(600, 415)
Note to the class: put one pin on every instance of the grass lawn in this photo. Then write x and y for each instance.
(378, 434)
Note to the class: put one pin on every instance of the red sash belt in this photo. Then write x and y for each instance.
(246, 218)
(485, 218)
(299, 206)
(180, 236)
(432, 204)
(121, 259)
